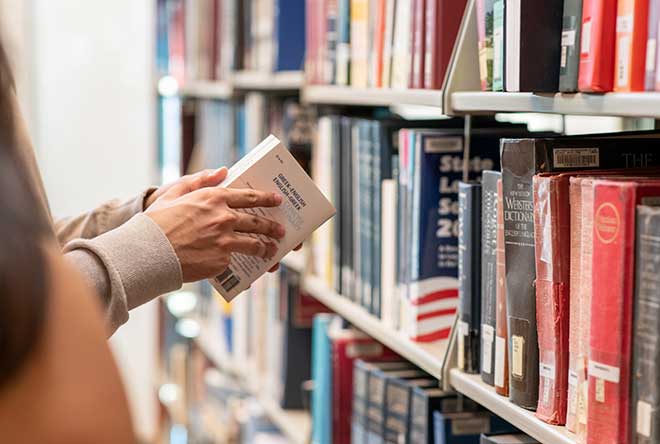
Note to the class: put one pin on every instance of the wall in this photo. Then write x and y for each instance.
(85, 79)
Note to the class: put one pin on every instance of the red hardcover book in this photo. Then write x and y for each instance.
(419, 43)
(501, 349)
(441, 31)
(631, 38)
(347, 346)
(613, 216)
(597, 50)
(552, 239)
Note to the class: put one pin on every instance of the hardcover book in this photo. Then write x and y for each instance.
(612, 307)
(499, 46)
(466, 427)
(343, 63)
(359, 65)
(418, 44)
(402, 46)
(322, 377)
(646, 344)
(531, 63)
(290, 34)
(571, 36)
(488, 274)
(271, 167)
(443, 20)
(485, 32)
(397, 409)
(501, 371)
(630, 48)
(521, 159)
(596, 72)
(469, 268)
(424, 401)
(652, 48)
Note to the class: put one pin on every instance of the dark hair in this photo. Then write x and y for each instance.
(23, 230)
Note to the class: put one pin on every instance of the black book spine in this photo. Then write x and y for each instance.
(469, 275)
(646, 348)
(570, 46)
(488, 274)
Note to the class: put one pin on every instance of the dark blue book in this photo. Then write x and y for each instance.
(466, 427)
(398, 402)
(290, 31)
(365, 199)
(423, 402)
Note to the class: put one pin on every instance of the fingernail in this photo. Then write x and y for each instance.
(281, 232)
(278, 199)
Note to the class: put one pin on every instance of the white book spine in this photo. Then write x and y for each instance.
(512, 44)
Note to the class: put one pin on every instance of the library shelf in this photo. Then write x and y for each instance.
(203, 89)
(268, 81)
(347, 95)
(474, 388)
(296, 425)
(642, 104)
(429, 357)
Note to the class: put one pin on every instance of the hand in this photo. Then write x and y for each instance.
(202, 224)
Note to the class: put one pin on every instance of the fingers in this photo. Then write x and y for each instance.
(251, 246)
(194, 182)
(274, 268)
(247, 198)
(250, 223)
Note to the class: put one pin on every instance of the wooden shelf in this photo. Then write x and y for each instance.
(270, 82)
(346, 95)
(429, 357)
(474, 388)
(646, 104)
(207, 90)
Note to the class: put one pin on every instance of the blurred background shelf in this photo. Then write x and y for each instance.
(345, 95)
(645, 104)
(268, 82)
(296, 425)
(429, 357)
(473, 387)
(207, 90)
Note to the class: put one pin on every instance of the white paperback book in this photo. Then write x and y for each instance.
(271, 167)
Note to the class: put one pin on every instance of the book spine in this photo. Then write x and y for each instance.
(630, 48)
(512, 19)
(498, 45)
(332, 37)
(347, 273)
(366, 216)
(360, 392)
(337, 200)
(501, 376)
(402, 222)
(357, 222)
(343, 42)
(650, 67)
(378, 37)
(359, 43)
(570, 46)
(596, 72)
(552, 238)
(646, 352)
(485, 35)
(397, 414)
(382, 171)
(419, 43)
(321, 368)
(469, 266)
(432, 39)
(419, 417)
(575, 197)
(375, 407)
(450, 15)
(389, 306)
(518, 167)
(388, 47)
(401, 52)
(608, 420)
(488, 274)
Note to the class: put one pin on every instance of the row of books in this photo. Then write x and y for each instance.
(393, 246)
(381, 43)
(364, 393)
(210, 39)
(569, 45)
(558, 271)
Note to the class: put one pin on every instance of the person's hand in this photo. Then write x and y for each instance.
(202, 224)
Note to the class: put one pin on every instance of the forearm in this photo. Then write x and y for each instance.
(127, 266)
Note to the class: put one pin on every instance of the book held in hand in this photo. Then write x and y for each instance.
(271, 167)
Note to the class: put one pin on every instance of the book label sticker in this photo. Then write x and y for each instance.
(500, 360)
(644, 415)
(576, 158)
(572, 378)
(622, 61)
(517, 356)
(547, 371)
(624, 24)
(650, 54)
(443, 145)
(583, 395)
(470, 426)
(572, 400)
(600, 390)
(585, 44)
(603, 371)
(487, 337)
(564, 56)
(568, 38)
(545, 397)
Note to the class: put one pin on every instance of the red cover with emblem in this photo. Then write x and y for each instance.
(613, 278)
(347, 346)
(597, 50)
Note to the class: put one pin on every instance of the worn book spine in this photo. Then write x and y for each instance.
(498, 45)
(575, 199)
(469, 268)
(501, 373)
(552, 238)
(449, 17)
(650, 65)
(630, 48)
(596, 72)
(488, 274)
(485, 34)
(518, 167)
(646, 351)
(571, 36)
(611, 330)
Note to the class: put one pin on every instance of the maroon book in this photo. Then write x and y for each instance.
(443, 21)
(419, 43)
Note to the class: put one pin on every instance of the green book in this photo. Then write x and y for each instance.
(570, 46)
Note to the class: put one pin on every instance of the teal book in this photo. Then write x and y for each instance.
(322, 377)
(498, 45)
